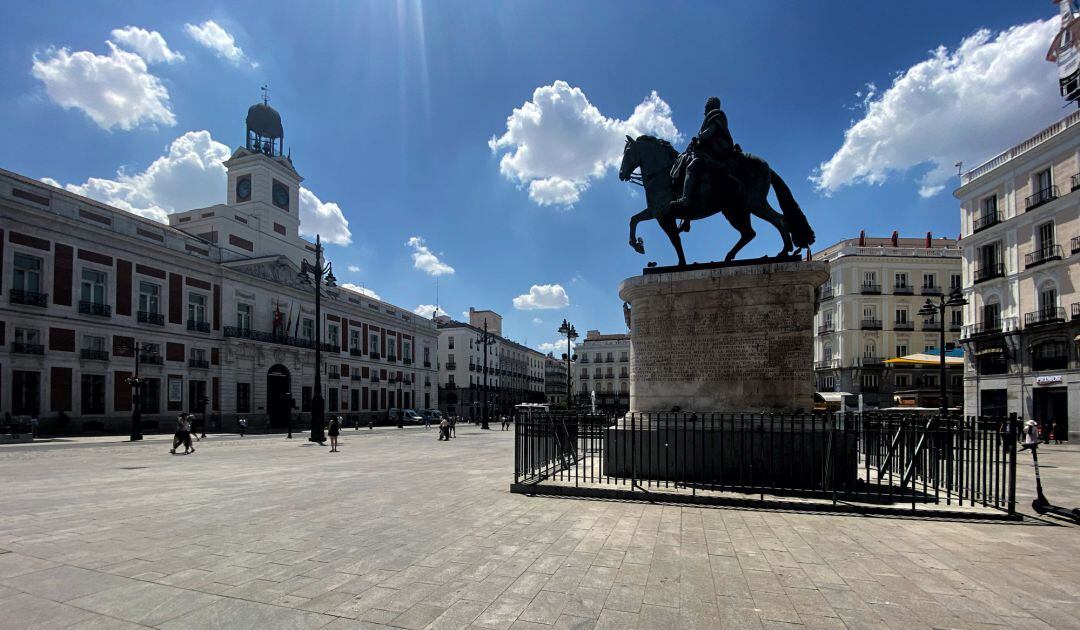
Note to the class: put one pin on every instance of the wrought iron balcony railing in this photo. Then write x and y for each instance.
(151, 359)
(334, 374)
(356, 352)
(1045, 195)
(93, 355)
(825, 329)
(870, 324)
(28, 298)
(1042, 255)
(147, 317)
(1074, 245)
(905, 325)
(989, 219)
(373, 355)
(870, 362)
(95, 308)
(870, 288)
(19, 347)
(202, 364)
(903, 289)
(830, 364)
(931, 290)
(198, 325)
(451, 366)
(989, 272)
(1076, 310)
(1045, 317)
(931, 325)
(827, 293)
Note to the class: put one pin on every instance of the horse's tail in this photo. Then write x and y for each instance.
(801, 233)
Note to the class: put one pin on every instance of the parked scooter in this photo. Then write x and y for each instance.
(1041, 504)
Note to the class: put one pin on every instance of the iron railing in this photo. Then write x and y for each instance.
(1074, 245)
(1045, 316)
(1040, 197)
(147, 317)
(870, 288)
(95, 308)
(198, 325)
(987, 220)
(18, 347)
(201, 364)
(94, 355)
(825, 329)
(151, 359)
(989, 272)
(1043, 255)
(905, 325)
(1075, 310)
(28, 298)
(860, 462)
(236, 332)
(931, 290)
(870, 323)
(903, 289)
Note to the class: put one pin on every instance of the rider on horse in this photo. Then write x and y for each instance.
(713, 150)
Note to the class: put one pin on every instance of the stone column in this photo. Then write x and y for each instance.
(728, 339)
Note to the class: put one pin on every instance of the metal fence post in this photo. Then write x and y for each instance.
(1012, 463)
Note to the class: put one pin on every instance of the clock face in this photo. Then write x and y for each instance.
(243, 189)
(281, 195)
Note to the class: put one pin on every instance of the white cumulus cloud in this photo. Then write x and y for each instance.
(427, 310)
(191, 175)
(353, 268)
(558, 142)
(425, 260)
(555, 347)
(150, 45)
(217, 39)
(114, 90)
(361, 290)
(537, 320)
(961, 105)
(542, 296)
(323, 218)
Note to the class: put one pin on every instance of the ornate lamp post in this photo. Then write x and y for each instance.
(136, 398)
(485, 340)
(571, 333)
(321, 272)
(930, 309)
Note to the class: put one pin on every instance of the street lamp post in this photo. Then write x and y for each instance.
(485, 340)
(321, 272)
(136, 398)
(571, 333)
(202, 404)
(930, 309)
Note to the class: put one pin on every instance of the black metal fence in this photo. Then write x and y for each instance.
(862, 460)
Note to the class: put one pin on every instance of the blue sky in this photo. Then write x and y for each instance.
(389, 108)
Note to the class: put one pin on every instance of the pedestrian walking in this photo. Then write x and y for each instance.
(453, 426)
(333, 431)
(505, 422)
(1030, 434)
(182, 434)
(427, 421)
(34, 426)
(242, 424)
(444, 430)
(1054, 435)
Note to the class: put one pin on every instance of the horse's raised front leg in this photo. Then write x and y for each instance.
(668, 225)
(635, 242)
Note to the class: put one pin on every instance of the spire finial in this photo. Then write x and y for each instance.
(266, 94)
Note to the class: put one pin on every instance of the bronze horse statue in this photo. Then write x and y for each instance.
(654, 157)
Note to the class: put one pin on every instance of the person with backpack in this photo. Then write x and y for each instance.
(333, 431)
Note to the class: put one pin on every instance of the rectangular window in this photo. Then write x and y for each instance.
(957, 317)
(93, 394)
(901, 350)
(28, 336)
(92, 286)
(196, 308)
(901, 315)
(150, 395)
(332, 399)
(869, 277)
(243, 316)
(901, 280)
(91, 342)
(198, 354)
(929, 280)
(354, 340)
(243, 398)
(149, 298)
(955, 281)
(27, 274)
(406, 349)
(1043, 181)
(333, 333)
(1045, 237)
(307, 329)
(391, 348)
(373, 343)
(450, 342)
(25, 392)
(869, 381)
(989, 205)
(928, 348)
(903, 380)
(305, 398)
(427, 355)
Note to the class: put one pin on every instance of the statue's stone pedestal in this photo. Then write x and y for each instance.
(729, 339)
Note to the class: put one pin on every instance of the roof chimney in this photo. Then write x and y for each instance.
(895, 238)
(862, 238)
(929, 239)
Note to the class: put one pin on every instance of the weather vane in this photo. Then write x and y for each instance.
(266, 94)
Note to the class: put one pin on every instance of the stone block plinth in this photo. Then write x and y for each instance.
(728, 339)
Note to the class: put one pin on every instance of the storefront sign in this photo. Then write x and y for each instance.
(176, 389)
(1048, 380)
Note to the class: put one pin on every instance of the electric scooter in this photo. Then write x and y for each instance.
(1041, 505)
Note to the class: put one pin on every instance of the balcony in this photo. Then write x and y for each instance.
(1042, 255)
(903, 289)
(406, 361)
(1075, 182)
(235, 332)
(356, 352)
(1041, 197)
(827, 293)
(334, 374)
(825, 329)
(93, 355)
(28, 298)
(989, 272)
(987, 220)
(929, 326)
(427, 364)
(1074, 245)
(19, 347)
(870, 324)
(870, 362)
(830, 364)
(870, 288)
(198, 326)
(201, 364)
(1075, 311)
(955, 327)
(95, 308)
(375, 378)
(931, 290)
(906, 325)
(356, 376)
(391, 358)
(1050, 361)
(151, 359)
(451, 366)
(1045, 317)
(373, 355)
(146, 317)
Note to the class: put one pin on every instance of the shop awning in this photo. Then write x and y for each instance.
(921, 358)
(981, 352)
(833, 397)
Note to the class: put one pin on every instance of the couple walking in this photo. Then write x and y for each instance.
(183, 434)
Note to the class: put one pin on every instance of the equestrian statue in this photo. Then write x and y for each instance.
(713, 175)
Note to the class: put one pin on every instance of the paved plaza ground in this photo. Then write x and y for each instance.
(399, 530)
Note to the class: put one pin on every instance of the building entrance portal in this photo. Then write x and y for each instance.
(278, 398)
(1052, 412)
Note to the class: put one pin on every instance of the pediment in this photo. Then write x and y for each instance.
(276, 269)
